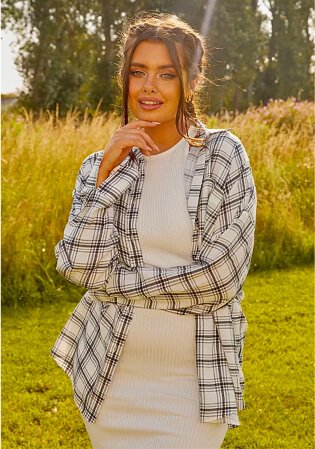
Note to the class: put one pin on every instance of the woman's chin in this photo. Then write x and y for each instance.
(150, 117)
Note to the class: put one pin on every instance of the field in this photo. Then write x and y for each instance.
(41, 158)
(37, 406)
(40, 161)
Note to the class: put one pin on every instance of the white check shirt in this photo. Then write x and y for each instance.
(100, 250)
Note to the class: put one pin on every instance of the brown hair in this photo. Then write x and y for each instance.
(168, 29)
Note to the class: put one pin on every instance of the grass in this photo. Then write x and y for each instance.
(37, 406)
(40, 160)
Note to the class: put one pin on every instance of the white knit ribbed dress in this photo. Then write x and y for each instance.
(153, 398)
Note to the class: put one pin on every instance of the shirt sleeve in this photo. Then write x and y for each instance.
(224, 256)
(87, 254)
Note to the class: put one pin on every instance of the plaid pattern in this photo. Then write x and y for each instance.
(100, 250)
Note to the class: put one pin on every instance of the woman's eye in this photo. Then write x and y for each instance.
(168, 75)
(163, 75)
(135, 72)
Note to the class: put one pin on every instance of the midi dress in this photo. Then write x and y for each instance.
(153, 399)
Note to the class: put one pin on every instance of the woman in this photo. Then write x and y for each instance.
(161, 232)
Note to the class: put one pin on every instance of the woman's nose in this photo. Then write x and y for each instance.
(149, 89)
(149, 84)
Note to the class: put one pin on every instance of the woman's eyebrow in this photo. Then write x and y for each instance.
(138, 64)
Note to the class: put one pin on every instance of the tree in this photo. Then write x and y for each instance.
(67, 50)
(237, 43)
(54, 52)
(288, 68)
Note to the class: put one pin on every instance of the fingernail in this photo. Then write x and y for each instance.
(157, 148)
(157, 123)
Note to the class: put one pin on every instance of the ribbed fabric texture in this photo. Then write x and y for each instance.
(164, 226)
(153, 398)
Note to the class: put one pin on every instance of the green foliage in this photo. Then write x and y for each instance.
(287, 71)
(237, 43)
(57, 64)
(69, 58)
(37, 406)
(40, 163)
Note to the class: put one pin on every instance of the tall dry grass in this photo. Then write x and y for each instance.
(40, 160)
(280, 144)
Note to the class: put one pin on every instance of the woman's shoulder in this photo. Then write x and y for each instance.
(220, 138)
(224, 135)
(224, 143)
(227, 155)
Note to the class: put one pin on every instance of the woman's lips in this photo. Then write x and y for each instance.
(149, 107)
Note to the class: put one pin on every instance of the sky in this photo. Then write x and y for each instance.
(11, 81)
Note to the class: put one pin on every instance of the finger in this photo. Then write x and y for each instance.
(141, 143)
(134, 139)
(147, 138)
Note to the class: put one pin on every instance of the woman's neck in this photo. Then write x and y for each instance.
(165, 135)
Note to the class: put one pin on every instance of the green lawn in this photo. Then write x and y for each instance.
(37, 407)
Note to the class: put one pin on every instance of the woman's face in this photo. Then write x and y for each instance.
(154, 88)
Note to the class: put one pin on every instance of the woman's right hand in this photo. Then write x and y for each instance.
(121, 143)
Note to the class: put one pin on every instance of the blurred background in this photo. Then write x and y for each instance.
(65, 50)
(66, 104)
(60, 103)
